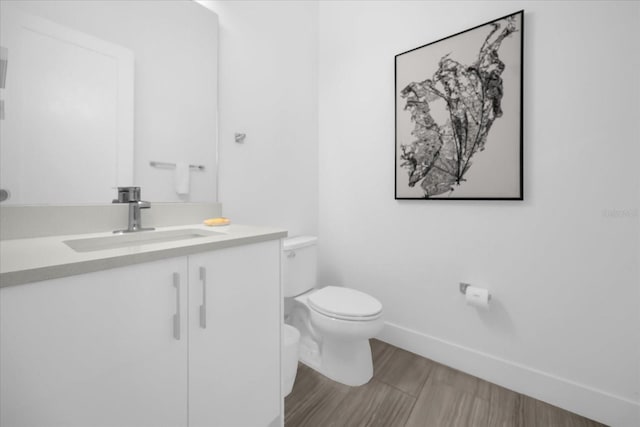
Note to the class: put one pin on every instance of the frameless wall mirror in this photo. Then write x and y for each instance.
(100, 94)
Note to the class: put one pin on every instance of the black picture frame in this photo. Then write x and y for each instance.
(459, 115)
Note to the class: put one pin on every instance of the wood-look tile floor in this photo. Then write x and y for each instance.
(410, 391)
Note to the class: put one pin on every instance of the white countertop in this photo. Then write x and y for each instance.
(35, 259)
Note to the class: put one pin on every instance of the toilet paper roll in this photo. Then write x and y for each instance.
(477, 297)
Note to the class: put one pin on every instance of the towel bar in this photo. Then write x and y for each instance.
(173, 165)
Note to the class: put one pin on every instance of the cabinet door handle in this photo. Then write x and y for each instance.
(203, 307)
(176, 317)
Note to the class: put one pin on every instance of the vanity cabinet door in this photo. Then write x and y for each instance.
(96, 349)
(234, 341)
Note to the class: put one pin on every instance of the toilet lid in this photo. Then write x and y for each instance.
(344, 303)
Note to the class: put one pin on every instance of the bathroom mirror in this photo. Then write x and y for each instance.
(99, 94)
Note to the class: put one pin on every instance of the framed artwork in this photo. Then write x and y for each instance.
(459, 115)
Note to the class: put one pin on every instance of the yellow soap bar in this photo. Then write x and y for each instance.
(217, 221)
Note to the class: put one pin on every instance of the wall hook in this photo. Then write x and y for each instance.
(239, 137)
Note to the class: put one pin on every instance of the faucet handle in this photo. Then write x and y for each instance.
(127, 194)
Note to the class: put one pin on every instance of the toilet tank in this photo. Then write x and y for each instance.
(299, 265)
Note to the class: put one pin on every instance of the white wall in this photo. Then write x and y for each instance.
(268, 90)
(562, 265)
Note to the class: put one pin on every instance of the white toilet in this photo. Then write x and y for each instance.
(335, 323)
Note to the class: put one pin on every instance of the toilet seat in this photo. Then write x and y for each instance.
(344, 303)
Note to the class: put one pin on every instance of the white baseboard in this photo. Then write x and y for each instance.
(584, 400)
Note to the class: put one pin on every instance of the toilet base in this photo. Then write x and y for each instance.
(309, 353)
(346, 362)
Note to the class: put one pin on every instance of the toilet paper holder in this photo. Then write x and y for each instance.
(464, 286)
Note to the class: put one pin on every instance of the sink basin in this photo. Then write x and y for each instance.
(136, 239)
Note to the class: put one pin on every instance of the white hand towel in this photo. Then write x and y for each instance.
(181, 178)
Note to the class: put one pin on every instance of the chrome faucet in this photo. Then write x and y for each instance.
(131, 195)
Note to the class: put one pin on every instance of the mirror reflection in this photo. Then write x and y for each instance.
(101, 94)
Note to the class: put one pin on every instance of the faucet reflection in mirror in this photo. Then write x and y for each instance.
(131, 195)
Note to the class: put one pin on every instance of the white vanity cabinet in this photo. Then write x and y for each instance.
(234, 346)
(95, 349)
(107, 348)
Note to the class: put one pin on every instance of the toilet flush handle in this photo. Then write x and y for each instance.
(291, 254)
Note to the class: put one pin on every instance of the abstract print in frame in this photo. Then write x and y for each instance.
(459, 115)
